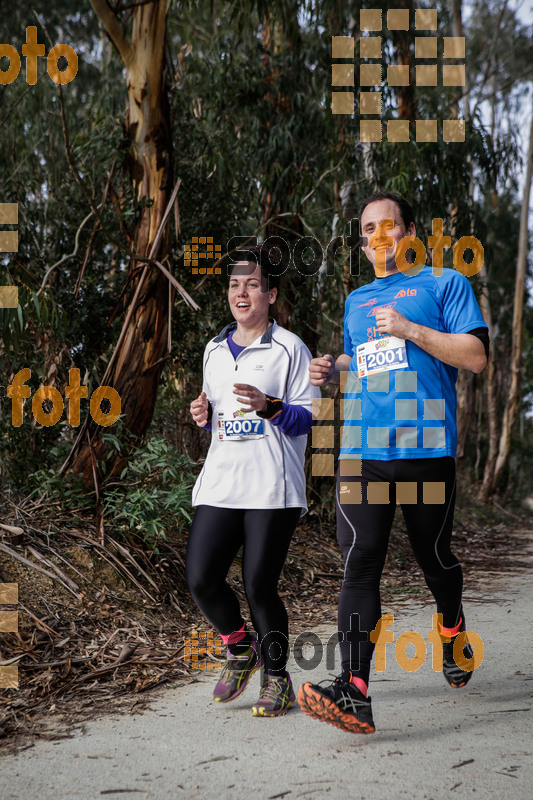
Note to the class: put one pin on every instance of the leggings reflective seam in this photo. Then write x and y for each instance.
(351, 526)
(442, 528)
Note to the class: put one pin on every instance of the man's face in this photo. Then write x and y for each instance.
(373, 214)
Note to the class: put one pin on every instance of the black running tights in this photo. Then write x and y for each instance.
(264, 535)
(363, 530)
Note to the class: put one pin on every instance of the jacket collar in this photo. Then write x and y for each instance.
(265, 339)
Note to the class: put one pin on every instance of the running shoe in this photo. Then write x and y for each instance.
(340, 703)
(275, 698)
(236, 672)
(455, 676)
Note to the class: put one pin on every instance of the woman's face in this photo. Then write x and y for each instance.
(248, 304)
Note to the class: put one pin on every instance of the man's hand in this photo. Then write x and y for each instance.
(321, 370)
(393, 323)
(200, 410)
(253, 398)
(460, 350)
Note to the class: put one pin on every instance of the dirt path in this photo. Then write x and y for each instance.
(431, 742)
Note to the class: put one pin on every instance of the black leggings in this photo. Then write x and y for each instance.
(363, 530)
(265, 535)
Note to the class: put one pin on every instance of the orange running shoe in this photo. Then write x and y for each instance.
(339, 703)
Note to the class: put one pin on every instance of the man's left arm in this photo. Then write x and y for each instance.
(461, 350)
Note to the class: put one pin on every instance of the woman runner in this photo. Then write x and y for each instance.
(256, 400)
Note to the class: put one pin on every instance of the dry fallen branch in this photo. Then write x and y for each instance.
(4, 548)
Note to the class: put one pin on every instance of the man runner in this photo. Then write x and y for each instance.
(405, 335)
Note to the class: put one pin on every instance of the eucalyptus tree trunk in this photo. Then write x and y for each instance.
(275, 39)
(136, 366)
(493, 478)
(465, 381)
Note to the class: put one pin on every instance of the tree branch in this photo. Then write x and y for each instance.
(131, 308)
(94, 208)
(65, 258)
(119, 8)
(113, 30)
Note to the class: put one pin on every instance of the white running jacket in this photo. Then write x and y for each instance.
(252, 472)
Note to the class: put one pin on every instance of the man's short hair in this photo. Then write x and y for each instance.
(406, 209)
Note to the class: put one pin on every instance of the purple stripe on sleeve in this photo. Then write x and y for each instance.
(293, 420)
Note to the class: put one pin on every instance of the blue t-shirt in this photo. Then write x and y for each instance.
(407, 412)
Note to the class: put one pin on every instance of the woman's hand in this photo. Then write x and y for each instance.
(321, 370)
(250, 395)
(200, 410)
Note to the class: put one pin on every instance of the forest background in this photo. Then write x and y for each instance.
(213, 119)
(230, 104)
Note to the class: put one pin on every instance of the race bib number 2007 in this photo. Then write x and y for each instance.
(381, 355)
(239, 428)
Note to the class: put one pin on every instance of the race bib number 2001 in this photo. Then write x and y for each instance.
(381, 355)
